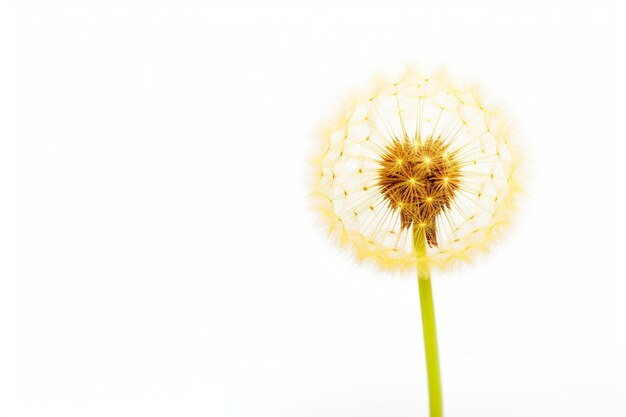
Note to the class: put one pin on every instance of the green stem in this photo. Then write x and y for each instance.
(428, 323)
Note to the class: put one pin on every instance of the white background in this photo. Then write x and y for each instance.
(159, 258)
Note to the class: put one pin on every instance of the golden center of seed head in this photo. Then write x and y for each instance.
(420, 180)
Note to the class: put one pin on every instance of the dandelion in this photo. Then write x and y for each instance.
(417, 173)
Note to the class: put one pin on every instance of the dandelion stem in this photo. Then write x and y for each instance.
(428, 323)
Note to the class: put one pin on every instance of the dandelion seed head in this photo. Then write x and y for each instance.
(417, 152)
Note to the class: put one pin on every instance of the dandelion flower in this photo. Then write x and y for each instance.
(417, 173)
